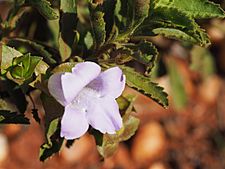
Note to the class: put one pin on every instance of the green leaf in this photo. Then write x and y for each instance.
(53, 26)
(144, 52)
(7, 56)
(47, 151)
(177, 84)
(15, 17)
(5, 104)
(130, 126)
(122, 55)
(7, 117)
(53, 109)
(68, 6)
(13, 92)
(174, 34)
(41, 49)
(41, 80)
(53, 113)
(97, 25)
(145, 86)
(194, 8)
(97, 135)
(88, 40)
(64, 67)
(123, 103)
(68, 37)
(44, 7)
(171, 22)
(23, 67)
(52, 128)
(202, 61)
(41, 83)
(108, 148)
(41, 68)
(111, 29)
(130, 14)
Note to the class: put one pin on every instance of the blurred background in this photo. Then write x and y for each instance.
(190, 134)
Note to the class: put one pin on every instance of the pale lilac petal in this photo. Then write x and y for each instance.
(74, 123)
(103, 115)
(87, 71)
(71, 86)
(64, 87)
(55, 88)
(110, 82)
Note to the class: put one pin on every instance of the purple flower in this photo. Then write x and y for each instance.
(88, 96)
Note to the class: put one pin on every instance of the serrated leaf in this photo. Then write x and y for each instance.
(138, 11)
(172, 22)
(68, 22)
(97, 25)
(23, 67)
(145, 86)
(7, 117)
(7, 55)
(174, 34)
(144, 52)
(195, 8)
(122, 55)
(44, 7)
(130, 14)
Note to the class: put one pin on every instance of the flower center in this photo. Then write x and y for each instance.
(84, 98)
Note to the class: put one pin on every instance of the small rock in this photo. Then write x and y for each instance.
(149, 144)
(4, 147)
(83, 148)
(157, 165)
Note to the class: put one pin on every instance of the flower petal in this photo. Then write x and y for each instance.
(110, 82)
(64, 87)
(103, 115)
(55, 88)
(87, 71)
(74, 123)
